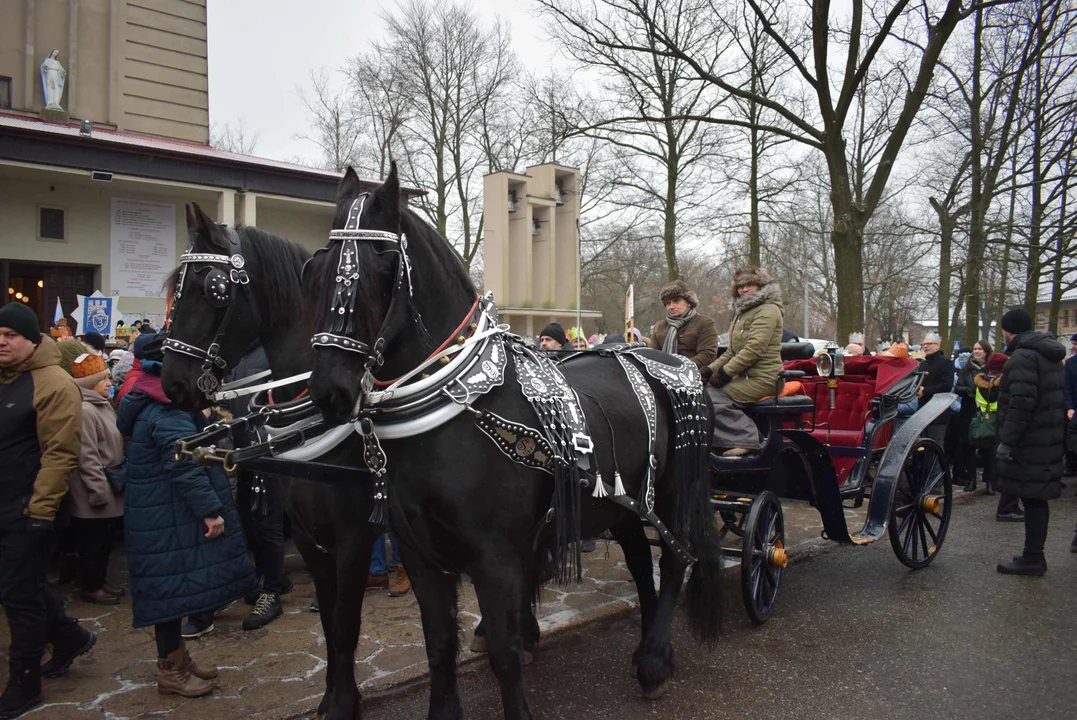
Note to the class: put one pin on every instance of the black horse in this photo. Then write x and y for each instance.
(264, 302)
(459, 504)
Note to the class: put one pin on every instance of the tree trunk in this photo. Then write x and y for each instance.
(978, 200)
(946, 242)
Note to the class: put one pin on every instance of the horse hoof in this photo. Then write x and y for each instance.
(478, 644)
(633, 671)
(657, 692)
(526, 657)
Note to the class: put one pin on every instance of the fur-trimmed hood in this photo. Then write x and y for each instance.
(770, 293)
(751, 275)
(678, 290)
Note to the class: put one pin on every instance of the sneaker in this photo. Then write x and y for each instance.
(252, 597)
(197, 626)
(1012, 516)
(265, 611)
(76, 641)
(1024, 565)
(1073, 545)
(377, 581)
(588, 545)
(23, 690)
(399, 584)
(314, 607)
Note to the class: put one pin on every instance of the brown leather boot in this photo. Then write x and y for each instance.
(399, 584)
(206, 672)
(175, 678)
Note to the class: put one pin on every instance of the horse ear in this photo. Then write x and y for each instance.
(349, 186)
(204, 229)
(388, 194)
(390, 189)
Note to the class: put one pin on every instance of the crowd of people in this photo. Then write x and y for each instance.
(87, 440)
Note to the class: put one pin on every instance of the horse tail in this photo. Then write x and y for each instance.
(692, 512)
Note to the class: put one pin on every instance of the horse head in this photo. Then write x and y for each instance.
(368, 301)
(213, 317)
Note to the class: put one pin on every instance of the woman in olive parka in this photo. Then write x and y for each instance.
(748, 371)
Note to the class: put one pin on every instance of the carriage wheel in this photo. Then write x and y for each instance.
(920, 513)
(763, 556)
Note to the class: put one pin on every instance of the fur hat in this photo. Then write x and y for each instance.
(94, 342)
(555, 331)
(751, 275)
(1016, 321)
(996, 361)
(88, 370)
(678, 290)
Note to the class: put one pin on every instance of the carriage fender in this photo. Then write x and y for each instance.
(824, 484)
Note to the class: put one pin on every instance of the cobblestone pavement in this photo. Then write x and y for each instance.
(279, 671)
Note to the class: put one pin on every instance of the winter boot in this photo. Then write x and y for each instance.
(265, 611)
(174, 677)
(1033, 565)
(399, 583)
(23, 689)
(206, 672)
(74, 642)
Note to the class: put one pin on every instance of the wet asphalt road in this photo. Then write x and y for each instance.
(856, 635)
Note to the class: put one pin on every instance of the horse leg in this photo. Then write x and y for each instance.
(436, 592)
(500, 588)
(637, 551)
(530, 631)
(352, 561)
(656, 660)
(323, 569)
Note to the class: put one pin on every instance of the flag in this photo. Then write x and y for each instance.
(58, 314)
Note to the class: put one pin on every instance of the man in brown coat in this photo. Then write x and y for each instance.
(684, 331)
(39, 447)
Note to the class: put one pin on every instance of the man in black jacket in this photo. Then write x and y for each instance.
(1031, 432)
(938, 378)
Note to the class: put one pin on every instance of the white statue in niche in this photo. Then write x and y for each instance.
(53, 76)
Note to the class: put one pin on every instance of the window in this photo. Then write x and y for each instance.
(1065, 320)
(5, 91)
(52, 224)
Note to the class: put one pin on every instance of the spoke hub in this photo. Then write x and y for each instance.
(931, 504)
(776, 556)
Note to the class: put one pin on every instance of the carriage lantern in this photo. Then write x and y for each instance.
(830, 364)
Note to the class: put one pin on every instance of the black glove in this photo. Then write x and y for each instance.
(1004, 453)
(705, 372)
(719, 378)
(39, 527)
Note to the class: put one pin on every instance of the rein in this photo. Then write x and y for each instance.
(216, 284)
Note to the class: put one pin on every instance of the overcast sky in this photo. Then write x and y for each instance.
(261, 50)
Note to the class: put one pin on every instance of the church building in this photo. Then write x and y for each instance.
(104, 136)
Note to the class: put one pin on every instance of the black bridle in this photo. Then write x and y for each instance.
(220, 288)
(341, 320)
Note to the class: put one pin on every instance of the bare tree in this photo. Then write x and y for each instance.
(233, 138)
(457, 69)
(333, 128)
(923, 28)
(667, 159)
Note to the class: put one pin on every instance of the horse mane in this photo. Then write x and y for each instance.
(278, 260)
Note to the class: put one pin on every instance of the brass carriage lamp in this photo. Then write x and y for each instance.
(830, 364)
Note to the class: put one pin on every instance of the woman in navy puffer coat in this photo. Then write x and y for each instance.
(185, 544)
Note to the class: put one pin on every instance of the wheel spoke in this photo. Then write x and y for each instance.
(903, 510)
(905, 523)
(908, 535)
(923, 538)
(934, 482)
(931, 531)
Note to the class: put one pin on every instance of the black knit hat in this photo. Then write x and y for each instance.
(150, 347)
(1073, 337)
(1016, 321)
(555, 331)
(18, 317)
